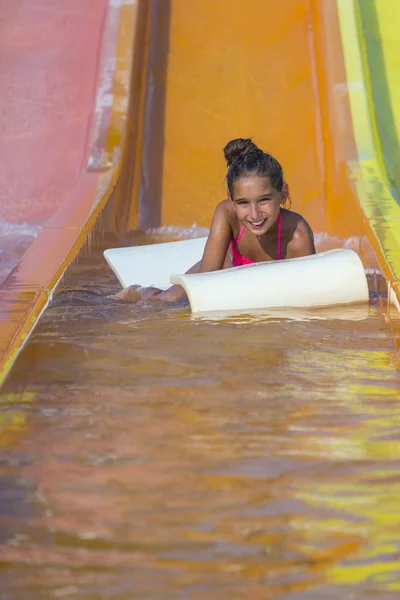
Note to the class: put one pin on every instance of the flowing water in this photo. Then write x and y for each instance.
(149, 455)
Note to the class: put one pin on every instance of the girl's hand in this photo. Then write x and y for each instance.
(135, 293)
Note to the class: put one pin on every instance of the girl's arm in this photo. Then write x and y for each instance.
(218, 240)
(214, 254)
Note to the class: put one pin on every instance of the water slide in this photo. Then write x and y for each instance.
(114, 115)
(145, 454)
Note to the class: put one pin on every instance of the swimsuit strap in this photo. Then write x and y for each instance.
(279, 236)
(239, 237)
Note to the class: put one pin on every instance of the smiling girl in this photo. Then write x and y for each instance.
(252, 225)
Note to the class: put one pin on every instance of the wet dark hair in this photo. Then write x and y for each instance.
(244, 158)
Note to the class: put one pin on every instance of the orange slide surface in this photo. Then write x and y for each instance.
(122, 108)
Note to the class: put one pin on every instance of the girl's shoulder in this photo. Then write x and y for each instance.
(295, 224)
(226, 211)
(298, 235)
(225, 206)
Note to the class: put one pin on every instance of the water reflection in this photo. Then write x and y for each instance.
(161, 456)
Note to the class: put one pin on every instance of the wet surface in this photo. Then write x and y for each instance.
(150, 455)
(15, 239)
(48, 72)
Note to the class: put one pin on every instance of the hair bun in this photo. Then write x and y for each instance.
(239, 148)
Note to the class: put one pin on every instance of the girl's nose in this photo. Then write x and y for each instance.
(254, 212)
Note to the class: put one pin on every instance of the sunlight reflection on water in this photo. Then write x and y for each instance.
(151, 455)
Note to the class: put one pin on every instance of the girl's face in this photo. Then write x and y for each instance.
(257, 203)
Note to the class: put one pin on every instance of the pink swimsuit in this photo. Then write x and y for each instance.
(239, 259)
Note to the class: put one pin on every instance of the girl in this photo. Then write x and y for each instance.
(251, 225)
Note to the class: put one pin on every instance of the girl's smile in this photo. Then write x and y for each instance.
(258, 225)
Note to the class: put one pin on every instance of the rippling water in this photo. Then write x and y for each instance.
(149, 455)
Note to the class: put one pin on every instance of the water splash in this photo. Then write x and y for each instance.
(15, 239)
